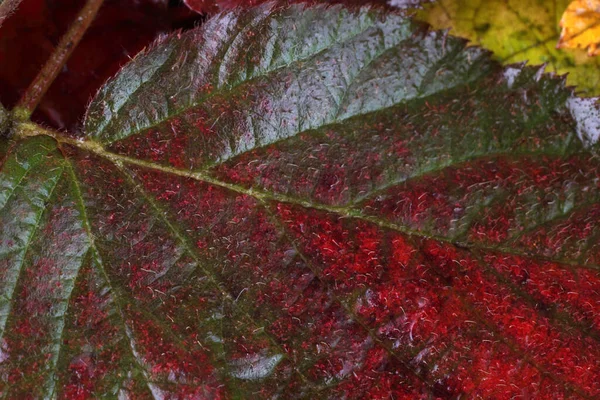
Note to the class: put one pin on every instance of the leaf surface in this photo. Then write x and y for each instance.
(306, 202)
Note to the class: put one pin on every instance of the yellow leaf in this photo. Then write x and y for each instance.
(518, 31)
(580, 25)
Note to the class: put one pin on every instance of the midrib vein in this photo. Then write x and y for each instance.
(32, 129)
(343, 212)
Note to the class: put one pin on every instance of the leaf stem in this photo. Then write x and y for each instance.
(6, 8)
(36, 90)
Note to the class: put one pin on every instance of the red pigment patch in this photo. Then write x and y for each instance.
(318, 329)
(402, 252)
(314, 333)
(407, 309)
(348, 255)
(573, 292)
(380, 377)
(483, 367)
(495, 224)
(430, 316)
(430, 304)
(168, 361)
(235, 233)
(557, 351)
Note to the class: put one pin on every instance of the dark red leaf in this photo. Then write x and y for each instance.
(306, 202)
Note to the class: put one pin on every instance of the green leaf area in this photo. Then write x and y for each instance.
(306, 202)
(518, 31)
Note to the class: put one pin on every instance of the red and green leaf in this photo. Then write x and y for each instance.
(306, 202)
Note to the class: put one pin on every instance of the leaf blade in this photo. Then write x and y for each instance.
(290, 265)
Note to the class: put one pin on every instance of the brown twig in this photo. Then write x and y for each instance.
(6, 8)
(36, 90)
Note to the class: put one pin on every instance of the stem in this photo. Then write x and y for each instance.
(7, 7)
(36, 90)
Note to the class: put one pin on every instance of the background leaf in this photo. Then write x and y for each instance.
(516, 31)
(580, 25)
(306, 202)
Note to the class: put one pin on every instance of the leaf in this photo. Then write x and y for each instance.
(518, 31)
(306, 202)
(580, 25)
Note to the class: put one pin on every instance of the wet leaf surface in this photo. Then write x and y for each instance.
(306, 203)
